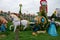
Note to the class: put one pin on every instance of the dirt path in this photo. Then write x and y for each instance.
(17, 34)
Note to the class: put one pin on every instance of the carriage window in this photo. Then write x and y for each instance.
(42, 20)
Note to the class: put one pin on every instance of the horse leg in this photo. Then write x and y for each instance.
(15, 28)
(25, 27)
(11, 26)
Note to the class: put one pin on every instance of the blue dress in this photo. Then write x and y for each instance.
(52, 29)
(3, 27)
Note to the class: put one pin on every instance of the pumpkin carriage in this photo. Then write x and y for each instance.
(41, 21)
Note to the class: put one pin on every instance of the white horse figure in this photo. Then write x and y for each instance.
(16, 22)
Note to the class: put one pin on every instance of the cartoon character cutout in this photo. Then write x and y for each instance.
(43, 3)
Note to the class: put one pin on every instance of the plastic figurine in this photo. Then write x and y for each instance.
(52, 28)
(36, 28)
(43, 5)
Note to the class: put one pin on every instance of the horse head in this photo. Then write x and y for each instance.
(14, 17)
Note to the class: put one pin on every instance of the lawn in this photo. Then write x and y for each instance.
(27, 35)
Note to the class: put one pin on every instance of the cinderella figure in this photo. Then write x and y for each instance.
(52, 28)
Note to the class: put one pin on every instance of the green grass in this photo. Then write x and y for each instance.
(27, 35)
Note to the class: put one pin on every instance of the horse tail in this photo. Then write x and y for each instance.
(10, 27)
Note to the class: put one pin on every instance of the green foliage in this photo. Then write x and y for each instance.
(27, 35)
(43, 13)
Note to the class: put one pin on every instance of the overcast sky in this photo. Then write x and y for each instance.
(29, 6)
